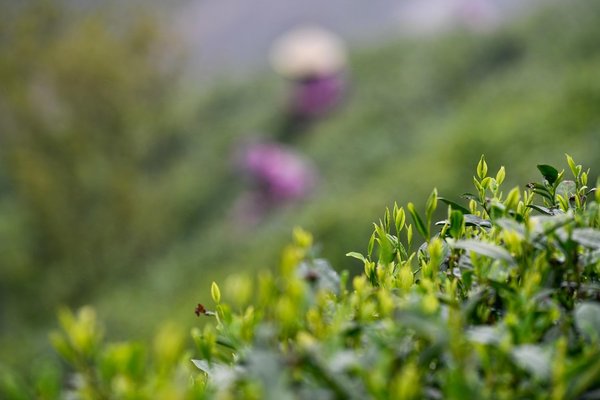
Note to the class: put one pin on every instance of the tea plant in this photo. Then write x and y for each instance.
(501, 300)
(498, 303)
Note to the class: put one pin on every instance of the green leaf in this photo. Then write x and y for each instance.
(405, 277)
(356, 255)
(420, 225)
(457, 222)
(544, 210)
(572, 165)
(454, 205)
(548, 172)
(485, 249)
(399, 218)
(500, 175)
(582, 376)
(386, 219)
(371, 245)
(474, 220)
(512, 199)
(486, 182)
(215, 292)
(431, 205)
(409, 235)
(482, 168)
(544, 193)
(386, 250)
(401, 249)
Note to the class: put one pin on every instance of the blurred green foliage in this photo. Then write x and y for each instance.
(87, 144)
(115, 183)
(499, 300)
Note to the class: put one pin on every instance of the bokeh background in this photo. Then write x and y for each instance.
(122, 125)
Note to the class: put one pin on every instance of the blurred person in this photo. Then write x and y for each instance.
(278, 176)
(314, 61)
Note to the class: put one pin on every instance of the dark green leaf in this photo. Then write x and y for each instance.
(474, 220)
(549, 172)
(454, 205)
(543, 193)
(545, 210)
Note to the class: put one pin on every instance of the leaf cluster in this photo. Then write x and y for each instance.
(501, 299)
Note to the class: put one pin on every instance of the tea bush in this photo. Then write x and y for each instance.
(82, 223)
(500, 299)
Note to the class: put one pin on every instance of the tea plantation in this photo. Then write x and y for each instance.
(123, 200)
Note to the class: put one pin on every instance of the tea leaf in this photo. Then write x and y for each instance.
(454, 205)
(548, 172)
(420, 225)
(356, 255)
(482, 168)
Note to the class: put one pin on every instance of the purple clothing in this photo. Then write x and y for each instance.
(316, 96)
(281, 173)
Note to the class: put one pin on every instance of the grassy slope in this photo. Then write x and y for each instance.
(419, 116)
